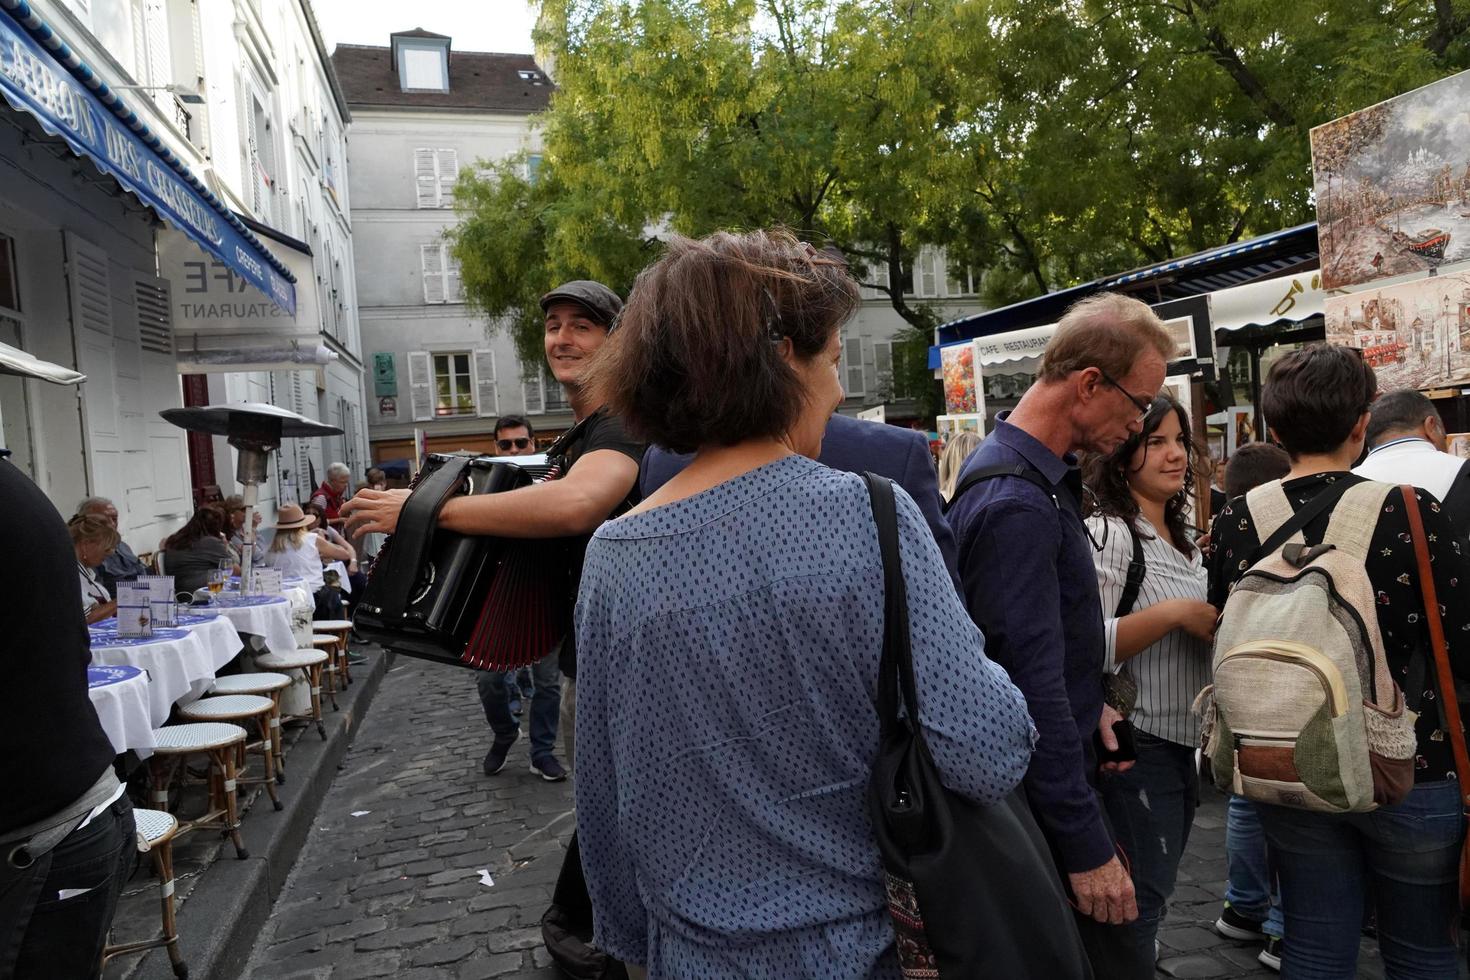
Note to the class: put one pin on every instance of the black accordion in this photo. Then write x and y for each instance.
(475, 601)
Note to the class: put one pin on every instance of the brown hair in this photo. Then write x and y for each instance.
(1253, 464)
(1107, 331)
(1107, 476)
(91, 527)
(1315, 395)
(208, 521)
(694, 360)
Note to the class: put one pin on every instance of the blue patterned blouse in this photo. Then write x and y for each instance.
(726, 724)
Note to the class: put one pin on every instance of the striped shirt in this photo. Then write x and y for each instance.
(1174, 669)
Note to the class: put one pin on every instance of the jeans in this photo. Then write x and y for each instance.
(43, 934)
(1249, 890)
(545, 704)
(1406, 857)
(1151, 807)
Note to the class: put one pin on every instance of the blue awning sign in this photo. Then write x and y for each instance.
(41, 76)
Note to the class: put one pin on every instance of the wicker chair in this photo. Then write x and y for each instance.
(156, 832)
(173, 744)
(309, 663)
(243, 710)
(266, 684)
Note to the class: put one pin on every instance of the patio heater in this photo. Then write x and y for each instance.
(255, 430)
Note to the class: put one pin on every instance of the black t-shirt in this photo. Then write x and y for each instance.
(1394, 572)
(55, 748)
(602, 431)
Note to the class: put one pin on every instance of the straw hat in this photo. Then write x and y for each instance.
(290, 516)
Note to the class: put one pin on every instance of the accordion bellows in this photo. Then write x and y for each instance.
(475, 601)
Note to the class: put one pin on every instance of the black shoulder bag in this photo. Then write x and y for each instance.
(972, 889)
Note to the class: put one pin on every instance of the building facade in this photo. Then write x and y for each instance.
(422, 112)
(162, 152)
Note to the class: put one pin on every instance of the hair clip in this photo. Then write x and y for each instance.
(773, 317)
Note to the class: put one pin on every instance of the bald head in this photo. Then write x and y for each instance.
(1405, 414)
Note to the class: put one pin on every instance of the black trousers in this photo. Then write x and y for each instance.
(55, 913)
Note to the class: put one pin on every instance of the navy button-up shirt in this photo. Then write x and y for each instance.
(1031, 587)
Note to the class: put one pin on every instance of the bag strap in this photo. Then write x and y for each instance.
(896, 667)
(1350, 529)
(1456, 502)
(1448, 703)
(1020, 470)
(416, 524)
(1137, 569)
(1312, 509)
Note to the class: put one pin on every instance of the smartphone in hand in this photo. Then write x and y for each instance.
(1127, 746)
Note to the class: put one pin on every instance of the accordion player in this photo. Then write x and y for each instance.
(488, 603)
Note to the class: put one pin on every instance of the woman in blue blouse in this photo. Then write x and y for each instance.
(729, 631)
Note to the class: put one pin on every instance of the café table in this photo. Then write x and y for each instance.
(267, 616)
(180, 665)
(120, 695)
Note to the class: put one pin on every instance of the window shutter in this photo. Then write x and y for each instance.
(155, 325)
(928, 281)
(531, 389)
(448, 165)
(883, 365)
(430, 258)
(487, 399)
(452, 291)
(852, 352)
(89, 282)
(420, 386)
(160, 70)
(425, 178)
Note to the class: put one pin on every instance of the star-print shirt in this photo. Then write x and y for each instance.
(1394, 572)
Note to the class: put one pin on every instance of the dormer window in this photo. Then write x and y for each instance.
(421, 60)
(534, 77)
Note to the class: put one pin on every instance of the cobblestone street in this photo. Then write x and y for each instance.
(389, 883)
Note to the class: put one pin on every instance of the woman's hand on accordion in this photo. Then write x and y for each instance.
(373, 510)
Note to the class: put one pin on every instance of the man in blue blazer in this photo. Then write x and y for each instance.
(854, 445)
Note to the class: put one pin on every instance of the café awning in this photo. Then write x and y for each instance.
(40, 75)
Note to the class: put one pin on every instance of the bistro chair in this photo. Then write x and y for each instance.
(309, 664)
(242, 709)
(156, 831)
(328, 643)
(342, 630)
(266, 684)
(220, 743)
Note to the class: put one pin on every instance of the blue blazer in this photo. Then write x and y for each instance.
(853, 445)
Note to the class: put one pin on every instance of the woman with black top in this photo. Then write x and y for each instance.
(198, 548)
(1402, 858)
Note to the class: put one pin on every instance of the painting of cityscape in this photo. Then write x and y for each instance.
(1393, 185)
(1415, 334)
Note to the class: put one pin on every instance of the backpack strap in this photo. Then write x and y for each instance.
(1137, 569)
(1019, 470)
(1350, 529)
(1286, 527)
(1269, 509)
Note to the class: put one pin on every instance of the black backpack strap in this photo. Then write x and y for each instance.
(1137, 568)
(1314, 508)
(1456, 502)
(1021, 470)
(409, 550)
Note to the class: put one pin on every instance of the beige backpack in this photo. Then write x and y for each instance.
(1303, 711)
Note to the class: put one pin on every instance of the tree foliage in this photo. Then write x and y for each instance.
(1044, 143)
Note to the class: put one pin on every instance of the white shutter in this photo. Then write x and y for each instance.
(160, 69)
(928, 284)
(883, 364)
(531, 390)
(431, 260)
(852, 353)
(425, 179)
(447, 162)
(420, 386)
(91, 312)
(487, 401)
(452, 291)
(155, 325)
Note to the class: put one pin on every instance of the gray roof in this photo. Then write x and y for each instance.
(477, 80)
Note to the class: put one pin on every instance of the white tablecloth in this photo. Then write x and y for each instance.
(180, 665)
(266, 616)
(120, 695)
(217, 632)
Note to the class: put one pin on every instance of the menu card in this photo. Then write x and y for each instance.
(134, 609)
(268, 581)
(161, 599)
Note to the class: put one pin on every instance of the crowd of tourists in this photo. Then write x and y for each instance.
(1036, 638)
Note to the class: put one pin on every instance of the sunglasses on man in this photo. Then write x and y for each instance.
(520, 443)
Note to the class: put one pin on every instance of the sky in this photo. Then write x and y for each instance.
(487, 25)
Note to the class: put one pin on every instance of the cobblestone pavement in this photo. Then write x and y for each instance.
(389, 883)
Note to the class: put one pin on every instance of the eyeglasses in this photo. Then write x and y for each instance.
(520, 443)
(1143, 407)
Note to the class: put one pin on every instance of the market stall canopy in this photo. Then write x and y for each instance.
(1210, 271)
(18, 362)
(41, 76)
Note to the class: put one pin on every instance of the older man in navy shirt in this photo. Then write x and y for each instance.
(1029, 582)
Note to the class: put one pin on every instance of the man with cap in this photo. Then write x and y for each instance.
(600, 482)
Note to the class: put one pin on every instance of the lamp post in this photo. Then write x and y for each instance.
(255, 430)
